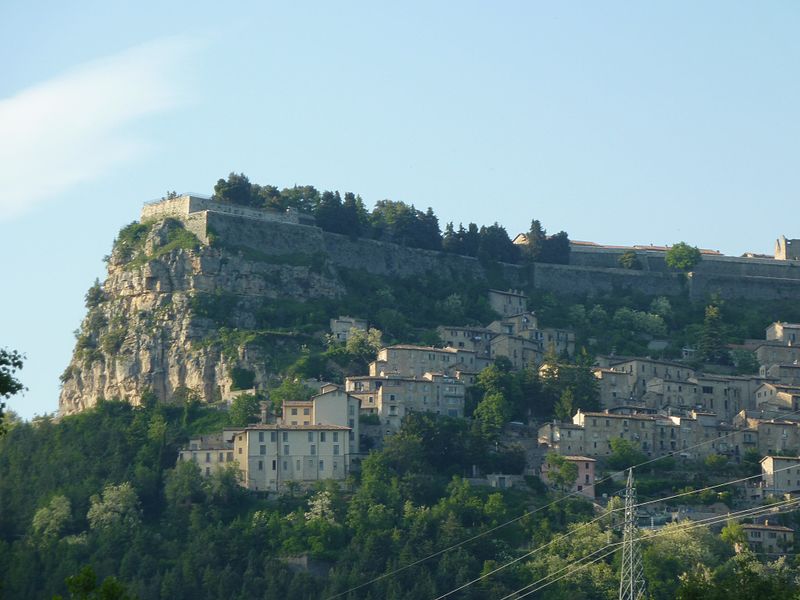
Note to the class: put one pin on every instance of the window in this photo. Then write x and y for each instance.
(261, 465)
(285, 436)
(310, 436)
(294, 412)
(221, 457)
(260, 436)
(286, 465)
(262, 449)
(306, 411)
(230, 456)
(336, 449)
(274, 464)
(208, 457)
(286, 449)
(240, 450)
(321, 465)
(313, 450)
(297, 463)
(321, 436)
(335, 436)
(273, 436)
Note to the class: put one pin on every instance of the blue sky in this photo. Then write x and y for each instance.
(617, 122)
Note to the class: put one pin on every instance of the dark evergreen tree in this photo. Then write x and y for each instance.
(237, 189)
(555, 249)
(496, 245)
(535, 240)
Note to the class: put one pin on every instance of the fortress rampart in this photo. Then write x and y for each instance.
(592, 270)
(183, 206)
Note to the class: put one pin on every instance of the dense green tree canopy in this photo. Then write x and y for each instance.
(683, 257)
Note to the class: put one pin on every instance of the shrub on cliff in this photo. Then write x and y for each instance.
(130, 240)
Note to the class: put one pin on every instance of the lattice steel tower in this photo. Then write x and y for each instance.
(631, 576)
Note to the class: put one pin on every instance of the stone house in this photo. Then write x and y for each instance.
(776, 352)
(693, 436)
(270, 456)
(474, 339)
(601, 427)
(642, 370)
(521, 352)
(564, 438)
(511, 302)
(614, 387)
(210, 452)
(777, 396)
(392, 397)
(780, 474)
(777, 436)
(584, 481)
(670, 386)
(342, 328)
(787, 333)
(788, 374)
(526, 325)
(332, 406)
(768, 538)
(414, 361)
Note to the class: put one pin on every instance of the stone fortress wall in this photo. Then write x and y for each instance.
(183, 206)
(592, 269)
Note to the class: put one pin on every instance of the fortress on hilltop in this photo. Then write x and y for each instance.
(593, 268)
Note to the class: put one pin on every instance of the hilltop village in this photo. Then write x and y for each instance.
(663, 407)
(275, 393)
(660, 407)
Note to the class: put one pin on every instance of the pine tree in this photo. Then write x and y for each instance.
(712, 347)
(536, 237)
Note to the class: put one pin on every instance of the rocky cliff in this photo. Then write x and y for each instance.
(212, 303)
(200, 313)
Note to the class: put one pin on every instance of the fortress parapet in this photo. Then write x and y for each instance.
(181, 207)
(787, 249)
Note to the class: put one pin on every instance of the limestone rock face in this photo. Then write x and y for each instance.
(184, 304)
(147, 334)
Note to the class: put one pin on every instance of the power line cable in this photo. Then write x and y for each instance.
(746, 513)
(532, 512)
(587, 523)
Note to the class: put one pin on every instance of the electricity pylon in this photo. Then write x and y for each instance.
(631, 576)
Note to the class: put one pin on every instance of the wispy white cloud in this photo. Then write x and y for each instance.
(73, 128)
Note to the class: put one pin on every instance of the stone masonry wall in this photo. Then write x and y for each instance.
(184, 206)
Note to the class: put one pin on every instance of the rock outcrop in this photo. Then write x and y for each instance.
(177, 316)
